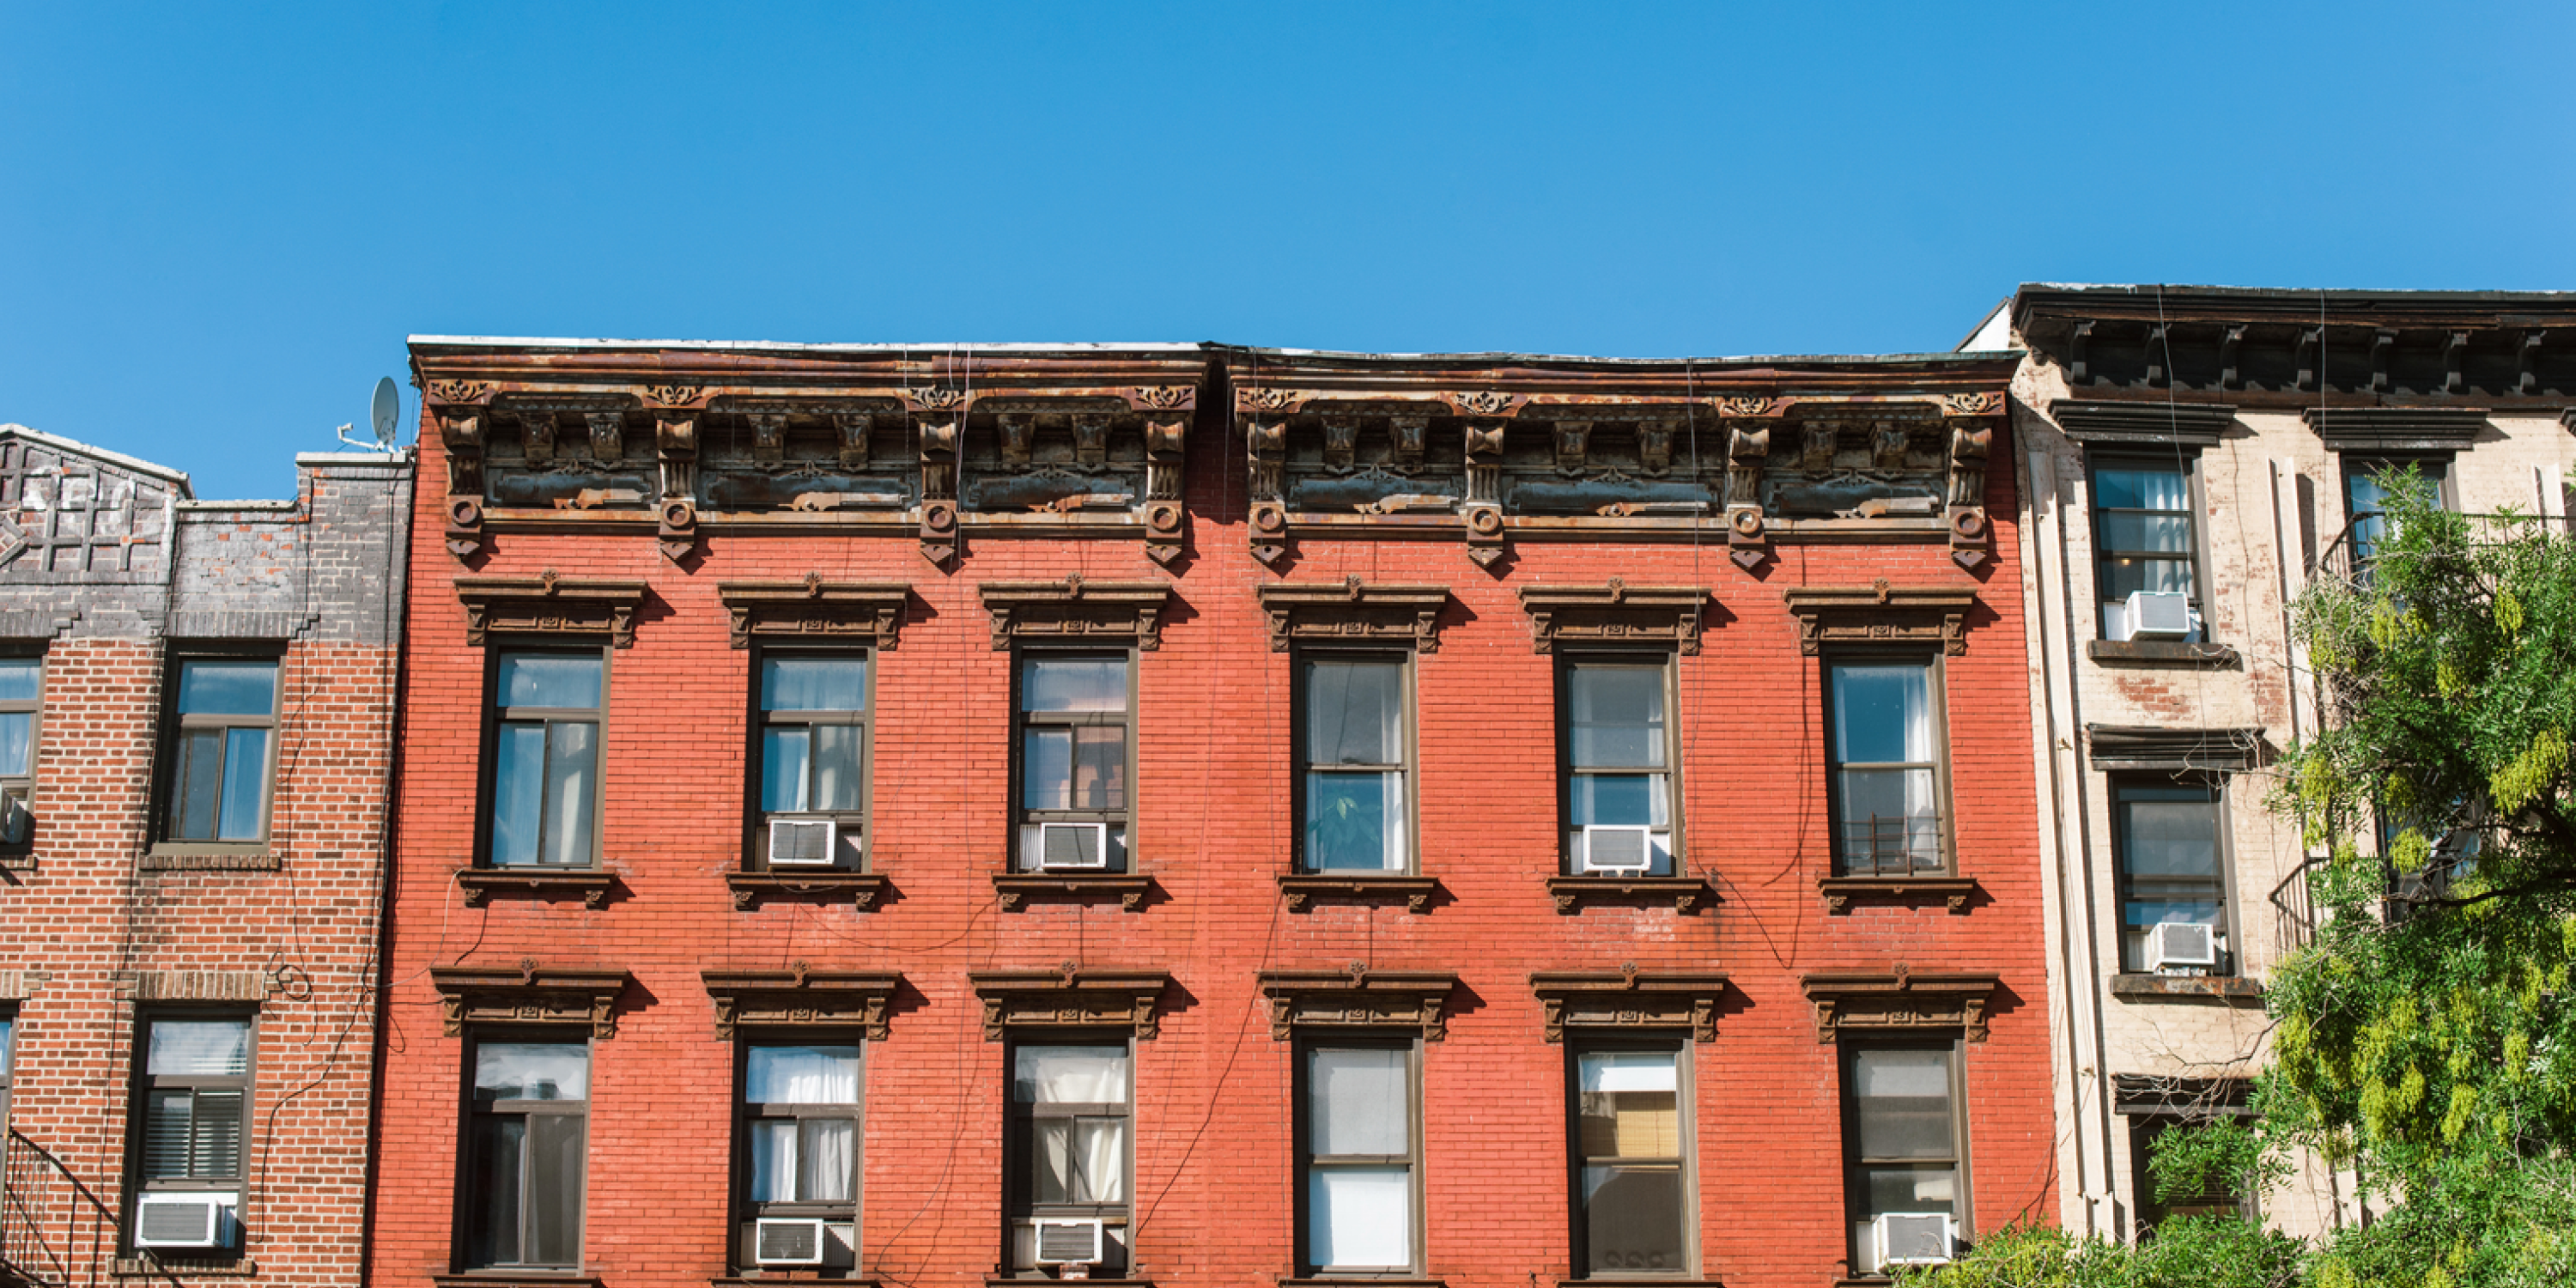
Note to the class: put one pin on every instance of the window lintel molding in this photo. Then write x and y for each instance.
(1615, 614)
(1357, 998)
(1627, 999)
(549, 604)
(1353, 611)
(801, 997)
(528, 994)
(814, 610)
(1070, 997)
(1900, 1001)
(2396, 429)
(2219, 750)
(2143, 424)
(2141, 1093)
(1881, 613)
(1077, 611)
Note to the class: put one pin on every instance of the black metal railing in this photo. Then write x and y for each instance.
(1900, 846)
(55, 1232)
(2294, 905)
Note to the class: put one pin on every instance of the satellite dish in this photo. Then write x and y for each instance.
(386, 412)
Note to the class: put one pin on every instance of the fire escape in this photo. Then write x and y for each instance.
(55, 1232)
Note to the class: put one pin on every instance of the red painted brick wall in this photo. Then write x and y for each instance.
(1214, 1181)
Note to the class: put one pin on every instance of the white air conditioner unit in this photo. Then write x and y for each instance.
(802, 842)
(1073, 845)
(1629, 850)
(2181, 943)
(1912, 1238)
(2159, 615)
(182, 1220)
(1067, 1242)
(777, 1241)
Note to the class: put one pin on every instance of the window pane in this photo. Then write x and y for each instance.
(1903, 1103)
(1359, 1101)
(1078, 1075)
(15, 728)
(783, 769)
(1888, 824)
(814, 684)
(1079, 1160)
(227, 688)
(1629, 1105)
(826, 1169)
(2141, 489)
(2122, 578)
(245, 783)
(1353, 713)
(168, 1127)
(1620, 800)
(518, 793)
(1073, 684)
(8, 1031)
(1355, 822)
(549, 680)
(554, 1189)
(2168, 837)
(802, 1075)
(836, 768)
(2152, 532)
(1632, 1217)
(1882, 714)
(532, 1070)
(1100, 768)
(198, 1048)
(1359, 1217)
(1912, 1189)
(18, 678)
(214, 1147)
(492, 1205)
(773, 1161)
(1046, 769)
(200, 778)
(1618, 716)
(572, 772)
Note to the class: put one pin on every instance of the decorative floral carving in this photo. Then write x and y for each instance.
(1268, 400)
(674, 395)
(459, 391)
(1987, 403)
(1166, 398)
(1485, 402)
(1746, 405)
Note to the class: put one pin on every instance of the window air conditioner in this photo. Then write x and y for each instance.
(1067, 1242)
(2159, 615)
(2181, 943)
(1628, 850)
(1912, 1238)
(181, 1220)
(787, 1242)
(15, 820)
(802, 842)
(1073, 845)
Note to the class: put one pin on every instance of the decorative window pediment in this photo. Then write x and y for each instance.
(1068, 998)
(800, 997)
(528, 994)
(1353, 612)
(1358, 998)
(1880, 613)
(549, 604)
(1077, 611)
(1900, 1002)
(2143, 424)
(1615, 614)
(1627, 999)
(2396, 429)
(814, 610)
(2215, 750)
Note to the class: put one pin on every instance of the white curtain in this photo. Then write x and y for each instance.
(802, 1075)
(1628, 1071)
(1359, 1101)
(1086, 1158)
(1075, 1075)
(1360, 1217)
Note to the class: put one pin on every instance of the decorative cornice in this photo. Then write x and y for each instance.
(1076, 610)
(1354, 612)
(549, 604)
(2396, 429)
(1070, 997)
(528, 994)
(801, 997)
(2157, 423)
(1628, 999)
(1881, 613)
(1614, 614)
(2218, 750)
(814, 610)
(1899, 1002)
(1357, 998)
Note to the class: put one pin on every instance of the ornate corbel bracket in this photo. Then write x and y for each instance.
(1076, 610)
(1353, 612)
(460, 432)
(1614, 615)
(1628, 1000)
(1358, 998)
(675, 451)
(1483, 508)
(1166, 431)
(801, 998)
(939, 420)
(1748, 536)
(814, 609)
(1070, 997)
(549, 604)
(528, 994)
(1880, 613)
(1900, 1002)
(1971, 421)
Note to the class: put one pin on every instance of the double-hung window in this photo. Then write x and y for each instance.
(2368, 483)
(545, 788)
(1902, 1135)
(1631, 1161)
(800, 1130)
(1887, 743)
(20, 690)
(1359, 1152)
(2172, 864)
(194, 1096)
(1355, 744)
(1076, 762)
(222, 750)
(2144, 539)
(1619, 805)
(2220, 1198)
(1071, 1154)
(813, 760)
(525, 1129)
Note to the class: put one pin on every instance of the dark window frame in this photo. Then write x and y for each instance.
(1684, 1081)
(2195, 497)
(747, 1113)
(2355, 466)
(174, 728)
(141, 1087)
(1566, 770)
(1300, 659)
(472, 1108)
(1303, 1127)
(2124, 889)
(2152, 1211)
(23, 786)
(1856, 1165)
(8, 1059)
(760, 721)
(1937, 700)
(487, 773)
(1019, 1139)
(1120, 819)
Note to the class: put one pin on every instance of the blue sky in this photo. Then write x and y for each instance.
(219, 221)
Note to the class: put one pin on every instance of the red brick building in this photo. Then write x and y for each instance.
(1201, 815)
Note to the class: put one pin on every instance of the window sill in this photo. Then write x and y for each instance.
(176, 858)
(752, 1278)
(1006, 1281)
(1130, 889)
(1359, 887)
(1838, 892)
(1379, 1281)
(2218, 657)
(591, 884)
(1643, 1281)
(1687, 893)
(2133, 984)
(151, 1267)
(516, 1279)
(749, 887)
